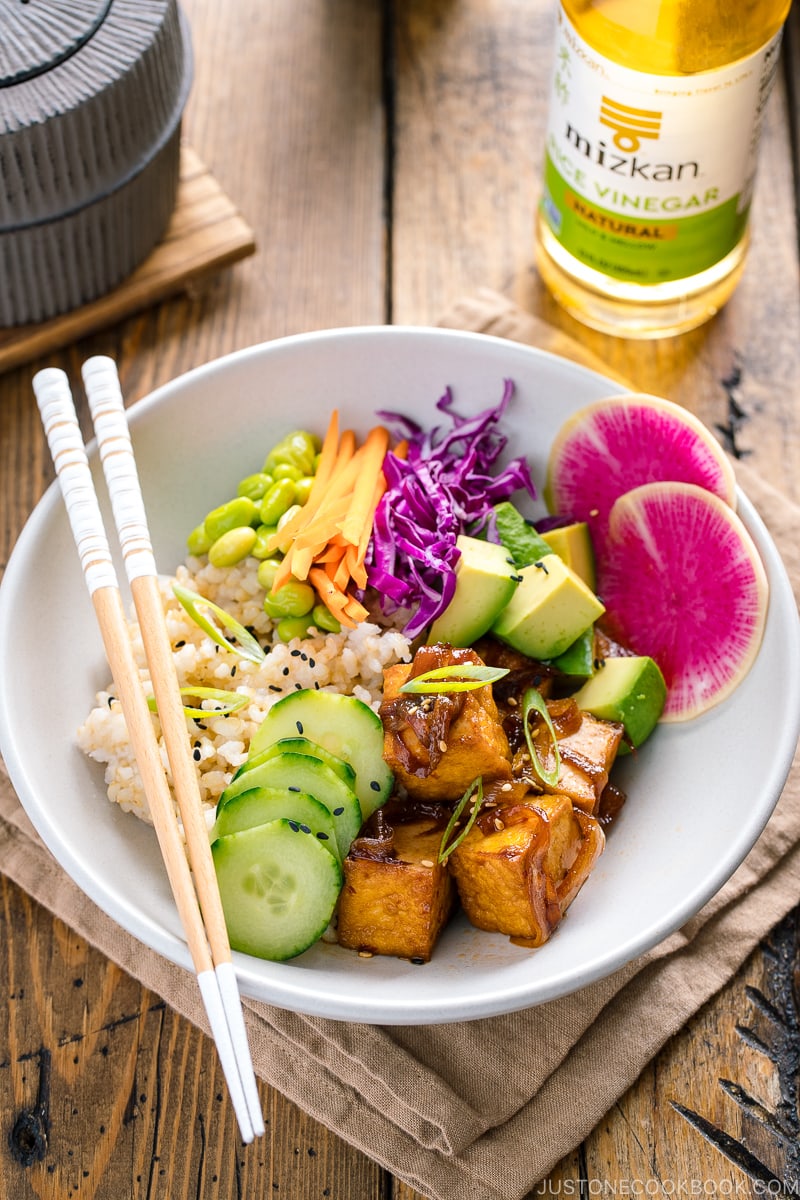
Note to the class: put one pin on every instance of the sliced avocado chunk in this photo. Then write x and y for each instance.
(523, 542)
(485, 581)
(573, 544)
(578, 659)
(630, 690)
(551, 607)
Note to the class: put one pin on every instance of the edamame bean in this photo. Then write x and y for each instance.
(285, 470)
(267, 570)
(261, 548)
(292, 627)
(231, 547)
(276, 501)
(302, 488)
(298, 448)
(231, 515)
(255, 486)
(272, 610)
(324, 619)
(198, 541)
(294, 599)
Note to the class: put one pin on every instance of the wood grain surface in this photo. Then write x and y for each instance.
(386, 154)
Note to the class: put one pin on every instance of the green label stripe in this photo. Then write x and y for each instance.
(634, 248)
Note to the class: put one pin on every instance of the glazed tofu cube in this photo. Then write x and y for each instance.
(586, 760)
(400, 905)
(519, 870)
(475, 745)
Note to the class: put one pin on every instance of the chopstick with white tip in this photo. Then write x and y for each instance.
(106, 405)
(53, 396)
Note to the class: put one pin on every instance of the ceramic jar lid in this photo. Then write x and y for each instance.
(91, 98)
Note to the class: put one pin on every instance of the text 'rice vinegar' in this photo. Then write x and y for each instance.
(656, 110)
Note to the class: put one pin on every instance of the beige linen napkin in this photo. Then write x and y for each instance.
(481, 1110)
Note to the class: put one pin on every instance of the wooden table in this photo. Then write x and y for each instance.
(387, 156)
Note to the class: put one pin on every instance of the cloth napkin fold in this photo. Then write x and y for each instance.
(465, 1110)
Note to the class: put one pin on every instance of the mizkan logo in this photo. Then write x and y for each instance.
(630, 125)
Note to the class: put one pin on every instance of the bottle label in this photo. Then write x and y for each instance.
(649, 178)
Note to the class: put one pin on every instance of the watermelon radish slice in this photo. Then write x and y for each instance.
(613, 445)
(683, 582)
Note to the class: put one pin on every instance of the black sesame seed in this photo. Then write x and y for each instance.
(305, 829)
(304, 657)
(299, 727)
(294, 653)
(233, 670)
(323, 837)
(316, 685)
(293, 825)
(418, 962)
(196, 754)
(311, 662)
(178, 645)
(298, 687)
(373, 783)
(285, 671)
(273, 687)
(337, 812)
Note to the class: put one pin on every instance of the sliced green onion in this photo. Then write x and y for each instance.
(455, 677)
(446, 850)
(192, 602)
(229, 702)
(533, 700)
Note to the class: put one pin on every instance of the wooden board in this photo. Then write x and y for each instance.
(206, 233)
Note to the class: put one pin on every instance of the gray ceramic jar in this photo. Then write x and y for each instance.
(91, 98)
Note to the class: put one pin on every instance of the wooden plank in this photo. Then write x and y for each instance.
(205, 234)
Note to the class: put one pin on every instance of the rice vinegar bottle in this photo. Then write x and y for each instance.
(656, 109)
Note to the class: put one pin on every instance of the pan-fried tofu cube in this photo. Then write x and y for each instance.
(586, 760)
(397, 905)
(475, 744)
(521, 866)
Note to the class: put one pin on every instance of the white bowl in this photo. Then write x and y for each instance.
(699, 793)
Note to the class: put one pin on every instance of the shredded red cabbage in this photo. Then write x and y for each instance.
(443, 487)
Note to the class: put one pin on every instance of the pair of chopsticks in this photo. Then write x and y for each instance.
(193, 881)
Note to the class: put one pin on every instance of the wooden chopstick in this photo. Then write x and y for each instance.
(217, 986)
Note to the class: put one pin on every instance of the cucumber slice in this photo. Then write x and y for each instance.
(258, 805)
(278, 886)
(303, 773)
(344, 726)
(302, 745)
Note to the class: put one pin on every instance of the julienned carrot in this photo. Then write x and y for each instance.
(360, 511)
(326, 540)
(333, 599)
